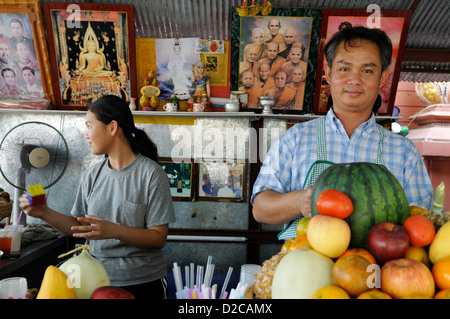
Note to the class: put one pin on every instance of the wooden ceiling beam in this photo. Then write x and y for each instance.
(426, 55)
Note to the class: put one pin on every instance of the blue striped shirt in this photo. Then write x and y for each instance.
(287, 163)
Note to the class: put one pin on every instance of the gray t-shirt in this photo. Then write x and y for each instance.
(137, 196)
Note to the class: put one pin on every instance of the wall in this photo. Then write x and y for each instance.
(205, 138)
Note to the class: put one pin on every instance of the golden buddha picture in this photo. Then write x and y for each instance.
(93, 58)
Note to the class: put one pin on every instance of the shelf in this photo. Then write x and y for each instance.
(250, 115)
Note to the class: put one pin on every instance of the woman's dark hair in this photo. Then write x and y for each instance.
(109, 108)
(349, 33)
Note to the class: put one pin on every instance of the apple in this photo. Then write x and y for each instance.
(110, 292)
(387, 241)
(328, 235)
(406, 278)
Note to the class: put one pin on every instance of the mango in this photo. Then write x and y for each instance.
(440, 247)
(55, 285)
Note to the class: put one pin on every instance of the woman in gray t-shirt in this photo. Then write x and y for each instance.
(123, 204)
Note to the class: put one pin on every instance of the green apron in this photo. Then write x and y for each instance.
(318, 167)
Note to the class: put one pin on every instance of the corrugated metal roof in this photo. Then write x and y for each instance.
(429, 26)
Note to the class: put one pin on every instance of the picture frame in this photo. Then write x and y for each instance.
(181, 175)
(221, 181)
(305, 24)
(92, 50)
(394, 22)
(26, 19)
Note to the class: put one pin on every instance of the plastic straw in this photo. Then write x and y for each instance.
(225, 283)
(20, 215)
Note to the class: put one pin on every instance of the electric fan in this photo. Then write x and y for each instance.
(33, 153)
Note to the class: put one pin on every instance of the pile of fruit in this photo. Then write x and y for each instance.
(349, 249)
(79, 277)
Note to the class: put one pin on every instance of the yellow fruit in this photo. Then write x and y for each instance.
(443, 294)
(302, 225)
(374, 294)
(419, 254)
(55, 285)
(263, 283)
(331, 292)
(440, 247)
(300, 242)
(417, 210)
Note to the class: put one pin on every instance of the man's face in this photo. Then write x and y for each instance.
(355, 76)
(247, 79)
(280, 80)
(258, 37)
(295, 55)
(272, 50)
(274, 26)
(16, 29)
(29, 77)
(289, 36)
(10, 78)
(4, 52)
(22, 51)
(298, 75)
(264, 71)
(252, 55)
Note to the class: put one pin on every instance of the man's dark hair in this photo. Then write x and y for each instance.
(348, 34)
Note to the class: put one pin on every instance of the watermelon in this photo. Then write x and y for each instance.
(375, 192)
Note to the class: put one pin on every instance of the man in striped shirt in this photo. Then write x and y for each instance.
(358, 59)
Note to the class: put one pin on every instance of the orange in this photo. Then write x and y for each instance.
(419, 254)
(300, 242)
(443, 294)
(360, 252)
(417, 210)
(420, 229)
(374, 294)
(302, 225)
(441, 273)
(331, 292)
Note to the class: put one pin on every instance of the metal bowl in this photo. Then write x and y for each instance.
(266, 100)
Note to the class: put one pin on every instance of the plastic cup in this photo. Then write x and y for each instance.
(14, 288)
(249, 273)
(16, 237)
(5, 240)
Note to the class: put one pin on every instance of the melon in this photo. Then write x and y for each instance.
(376, 194)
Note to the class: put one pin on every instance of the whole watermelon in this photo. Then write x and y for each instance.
(376, 194)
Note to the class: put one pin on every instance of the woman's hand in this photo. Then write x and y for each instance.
(25, 206)
(305, 202)
(93, 227)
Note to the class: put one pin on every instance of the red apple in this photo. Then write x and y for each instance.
(110, 292)
(387, 241)
(406, 278)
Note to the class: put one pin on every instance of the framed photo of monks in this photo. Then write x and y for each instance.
(92, 50)
(394, 23)
(276, 56)
(24, 67)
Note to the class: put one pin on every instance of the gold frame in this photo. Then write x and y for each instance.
(33, 9)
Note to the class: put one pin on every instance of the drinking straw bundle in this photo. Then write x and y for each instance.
(198, 284)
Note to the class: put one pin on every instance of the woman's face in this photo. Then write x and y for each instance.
(97, 135)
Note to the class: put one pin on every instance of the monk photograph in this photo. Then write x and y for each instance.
(273, 59)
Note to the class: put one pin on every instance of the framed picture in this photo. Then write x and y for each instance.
(181, 177)
(25, 70)
(276, 56)
(221, 181)
(394, 23)
(92, 50)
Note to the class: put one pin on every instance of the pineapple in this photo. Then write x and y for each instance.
(263, 284)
